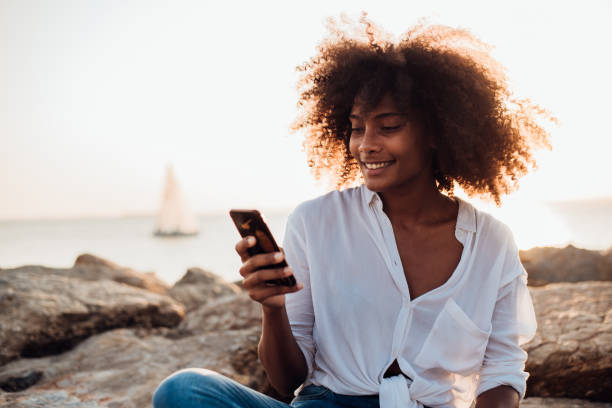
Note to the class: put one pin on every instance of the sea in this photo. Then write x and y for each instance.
(129, 241)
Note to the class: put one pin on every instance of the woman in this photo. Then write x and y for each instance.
(407, 295)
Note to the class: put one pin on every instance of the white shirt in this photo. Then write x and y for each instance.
(354, 316)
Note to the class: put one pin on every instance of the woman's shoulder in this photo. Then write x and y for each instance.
(485, 225)
(494, 244)
(483, 220)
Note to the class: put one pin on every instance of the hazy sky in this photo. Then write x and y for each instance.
(98, 96)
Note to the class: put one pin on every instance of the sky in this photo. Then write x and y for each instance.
(99, 96)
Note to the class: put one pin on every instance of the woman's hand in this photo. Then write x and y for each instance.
(254, 282)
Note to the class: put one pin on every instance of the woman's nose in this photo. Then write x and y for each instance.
(369, 142)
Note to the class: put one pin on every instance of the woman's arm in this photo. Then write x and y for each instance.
(278, 351)
(499, 397)
(502, 375)
(513, 325)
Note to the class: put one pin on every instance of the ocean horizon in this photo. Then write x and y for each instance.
(129, 241)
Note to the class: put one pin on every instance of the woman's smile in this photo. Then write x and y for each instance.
(378, 165)
(375, 168)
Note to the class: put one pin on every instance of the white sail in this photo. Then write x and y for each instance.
(175, 217)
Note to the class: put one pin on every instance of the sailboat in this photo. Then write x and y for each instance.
(175, 218)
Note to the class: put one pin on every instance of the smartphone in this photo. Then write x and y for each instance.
(250, 222)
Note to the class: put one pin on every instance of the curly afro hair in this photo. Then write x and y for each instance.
(484, 137)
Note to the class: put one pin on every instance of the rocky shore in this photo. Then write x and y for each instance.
(101, 335)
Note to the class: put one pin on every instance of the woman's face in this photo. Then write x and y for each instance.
(392, 151)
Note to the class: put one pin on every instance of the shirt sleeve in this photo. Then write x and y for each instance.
(299, 304)
(513, 324)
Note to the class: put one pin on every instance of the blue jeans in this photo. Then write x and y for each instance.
(201, 388)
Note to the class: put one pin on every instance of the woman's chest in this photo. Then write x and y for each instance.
(370, 261)
(428, 258)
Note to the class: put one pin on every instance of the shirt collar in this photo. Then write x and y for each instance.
(369, 195)
(466, 218)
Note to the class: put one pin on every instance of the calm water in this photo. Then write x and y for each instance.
(129, 241)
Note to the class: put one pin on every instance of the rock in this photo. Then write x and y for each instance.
(91, 267)
(45, 313)
(232, 312)
(535, 402)
(198, 286)
(571, 354)
(120, 368)
(101, 365)
(569, 264)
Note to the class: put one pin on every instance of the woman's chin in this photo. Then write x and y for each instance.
(375, 185)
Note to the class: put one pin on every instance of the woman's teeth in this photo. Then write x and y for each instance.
(378, 165)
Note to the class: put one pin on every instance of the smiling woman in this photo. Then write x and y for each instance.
(407, 296)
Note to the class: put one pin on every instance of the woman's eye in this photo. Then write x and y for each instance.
(390, 128)
(356, 130)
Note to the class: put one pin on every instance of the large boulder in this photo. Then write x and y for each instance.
(91, 267)
(199, 286)
(569, 264)
(122, 368)
(571, 353)
(44, 313)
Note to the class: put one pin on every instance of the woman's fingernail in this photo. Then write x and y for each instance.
(250, 240)
(288, 270)
(278, 256)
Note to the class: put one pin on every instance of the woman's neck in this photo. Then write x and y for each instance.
(422, 204)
